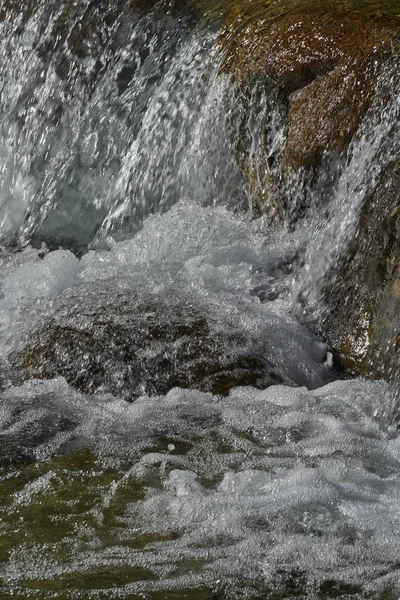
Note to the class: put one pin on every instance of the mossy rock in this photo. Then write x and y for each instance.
(128, 346)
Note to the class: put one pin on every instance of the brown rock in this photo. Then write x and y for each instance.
(296, 48)
(324, 115)
(326, 62)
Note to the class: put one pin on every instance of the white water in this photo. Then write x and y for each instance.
(282, 490)
(269, 487)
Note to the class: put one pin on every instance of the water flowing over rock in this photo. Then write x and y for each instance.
(132, 346)
(364, 322)
(326, 63)
(327, 67)
(199, 251)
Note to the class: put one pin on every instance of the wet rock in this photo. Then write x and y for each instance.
(325, 64)
(324, 115)
(130, 346)
(297, 47)
(256, 128)
(164, 6)
(363, 321)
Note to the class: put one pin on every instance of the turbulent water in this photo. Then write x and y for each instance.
(118, 181)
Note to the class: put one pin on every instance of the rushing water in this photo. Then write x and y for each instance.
(120, 194)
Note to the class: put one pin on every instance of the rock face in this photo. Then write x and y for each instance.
(324, 115)
(325, 63)
(364, 318)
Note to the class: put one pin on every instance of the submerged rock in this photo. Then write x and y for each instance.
(363, 321)
(130, 345)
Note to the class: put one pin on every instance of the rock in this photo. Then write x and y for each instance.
(255, 134)
(325, 64)
(363, 321)
(128, 346)
(324, 115)
(297, 47)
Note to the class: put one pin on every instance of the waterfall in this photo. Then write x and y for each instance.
(173, 424)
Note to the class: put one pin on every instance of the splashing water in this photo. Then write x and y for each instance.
(119, 181)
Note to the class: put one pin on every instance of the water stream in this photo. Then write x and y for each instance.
(232, 459)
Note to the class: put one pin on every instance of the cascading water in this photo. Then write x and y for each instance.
(124, 215)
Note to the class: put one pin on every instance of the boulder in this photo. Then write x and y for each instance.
(128, 344)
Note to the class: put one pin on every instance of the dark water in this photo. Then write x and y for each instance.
(122, 204)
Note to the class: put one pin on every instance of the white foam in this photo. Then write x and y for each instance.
(271, 483)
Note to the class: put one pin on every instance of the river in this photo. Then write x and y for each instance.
(234, 459)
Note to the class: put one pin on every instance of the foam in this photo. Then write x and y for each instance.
(263, 485)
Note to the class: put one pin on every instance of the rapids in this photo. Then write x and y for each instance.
(118, 179)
